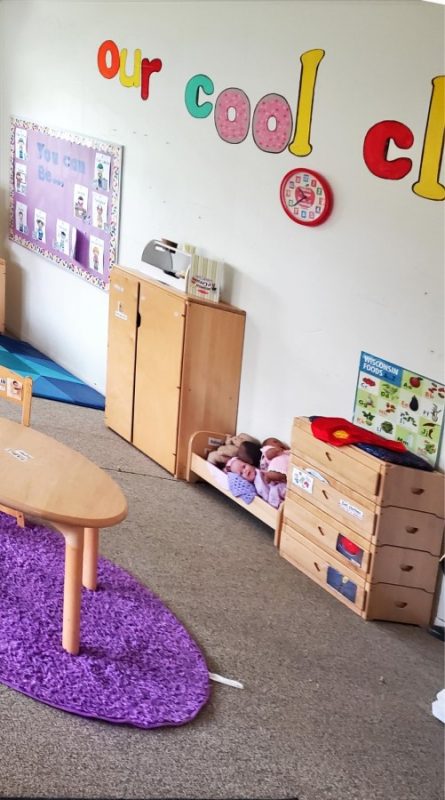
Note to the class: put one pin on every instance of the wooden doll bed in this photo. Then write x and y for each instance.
(200, 445)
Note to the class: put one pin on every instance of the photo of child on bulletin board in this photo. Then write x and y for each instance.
(21, 138)
(39, 231)
(20, 178)
(65, 198)
(21, 217)
(102, 172)
(62, 242)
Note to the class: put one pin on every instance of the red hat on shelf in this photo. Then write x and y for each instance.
(338, 431)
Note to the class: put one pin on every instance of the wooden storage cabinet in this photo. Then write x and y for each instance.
(174, 366)
(368, 531)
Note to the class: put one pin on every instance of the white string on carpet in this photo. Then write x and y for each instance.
(227, 681)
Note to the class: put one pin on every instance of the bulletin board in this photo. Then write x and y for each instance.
(65, 198)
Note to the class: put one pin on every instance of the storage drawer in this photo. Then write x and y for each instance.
(417, 530)
(398, 604)
(344, 544)
(347, 464)
(385, 483)
(405, 568)
(324, 570)
(337, 500)
(413, 488)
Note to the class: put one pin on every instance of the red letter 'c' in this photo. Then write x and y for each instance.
(375, 149)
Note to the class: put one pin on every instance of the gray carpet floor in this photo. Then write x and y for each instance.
(333, 708)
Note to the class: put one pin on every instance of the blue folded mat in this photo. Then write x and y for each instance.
(49, 380)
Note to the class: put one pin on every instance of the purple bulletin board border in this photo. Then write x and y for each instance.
(114, 151)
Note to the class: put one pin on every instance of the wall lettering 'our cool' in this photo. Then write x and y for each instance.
(273, 128)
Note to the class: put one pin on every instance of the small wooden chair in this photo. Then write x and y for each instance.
(18, 390)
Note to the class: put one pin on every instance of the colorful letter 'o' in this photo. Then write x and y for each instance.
(375, 149)
(236, 129)
(108, 47)
(275, 107)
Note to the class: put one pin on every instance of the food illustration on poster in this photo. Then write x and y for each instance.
(64, 188)
(400, 404)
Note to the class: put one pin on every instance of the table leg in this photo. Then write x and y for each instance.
(90, 556)
(72, 590)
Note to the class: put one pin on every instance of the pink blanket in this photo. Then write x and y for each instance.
(272, 493)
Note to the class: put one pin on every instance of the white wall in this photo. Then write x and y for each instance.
(370, 278)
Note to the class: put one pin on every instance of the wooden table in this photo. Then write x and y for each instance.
(47, 480)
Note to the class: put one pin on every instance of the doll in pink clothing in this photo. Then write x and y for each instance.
(274, 460)
(242, 468)
(255, 482)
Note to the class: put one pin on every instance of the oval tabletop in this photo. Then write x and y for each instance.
(43, 477)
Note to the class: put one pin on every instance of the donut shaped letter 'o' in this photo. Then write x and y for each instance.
(276, 107)
(236, 129)
(108, 47)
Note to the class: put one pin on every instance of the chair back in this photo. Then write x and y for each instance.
(17, 390)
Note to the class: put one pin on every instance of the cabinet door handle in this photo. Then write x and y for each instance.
(321, 530)
(406, 567)
(328, 456)
(325, 494)
(410, 529)
(417, 491)
(316, 566)
(399, 604)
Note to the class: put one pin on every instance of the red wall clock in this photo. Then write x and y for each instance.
(306, 196)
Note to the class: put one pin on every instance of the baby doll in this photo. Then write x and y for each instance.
(274, 460)
(250, 453)
(255, 483)
(240, 467)
(230, 448)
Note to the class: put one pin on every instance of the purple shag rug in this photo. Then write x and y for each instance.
(137, 664)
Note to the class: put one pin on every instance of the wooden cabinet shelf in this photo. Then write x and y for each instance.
(174, 366)
(367, 531)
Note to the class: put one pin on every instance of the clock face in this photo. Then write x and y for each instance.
(306, 197)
